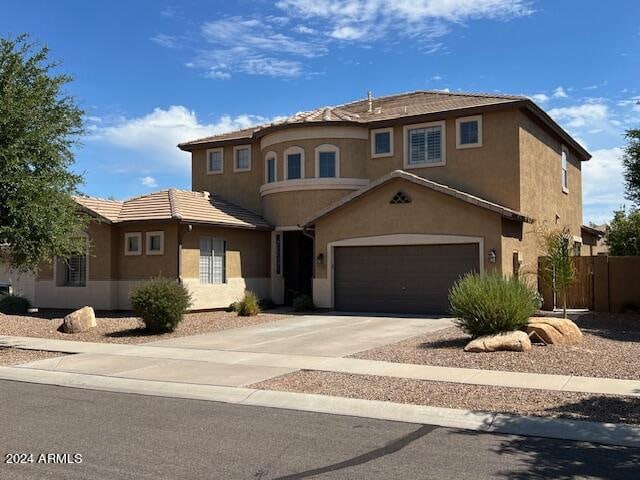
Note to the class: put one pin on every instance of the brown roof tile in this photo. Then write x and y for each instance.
(387, 108)
(174, 204)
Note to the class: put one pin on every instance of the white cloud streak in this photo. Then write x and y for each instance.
(602, 185)
(149, 182)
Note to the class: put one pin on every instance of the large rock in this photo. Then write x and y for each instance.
(560, 331)
(79, 321)
(517, 341)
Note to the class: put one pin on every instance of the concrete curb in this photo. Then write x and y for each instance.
(603, 433)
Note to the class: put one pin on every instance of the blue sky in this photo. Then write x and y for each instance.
(150, 74)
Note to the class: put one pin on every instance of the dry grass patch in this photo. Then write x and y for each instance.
(122, 328)
(611, 349)
(520, 401)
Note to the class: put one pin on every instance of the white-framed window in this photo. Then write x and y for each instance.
(133, 243)
(565, 174)
(327, 161)
(382, 142)
(469, 132)
(215, 161)
(155, 243)
(213, 264)
(242, 158)
(74, 270)
(424, 145)
(270, 167)
(294, 163)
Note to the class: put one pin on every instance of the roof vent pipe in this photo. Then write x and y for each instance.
(370, 100)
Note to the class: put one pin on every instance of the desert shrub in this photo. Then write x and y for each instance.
(14, 304)
(266, 304)
(249, 305)
(233, 307)
(489, 304)
(303, 303)
(161, 303)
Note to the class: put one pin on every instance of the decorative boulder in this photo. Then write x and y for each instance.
(79, 321)
(516, 341)
(551, 330)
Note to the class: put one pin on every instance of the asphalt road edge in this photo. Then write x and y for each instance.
(575, 430)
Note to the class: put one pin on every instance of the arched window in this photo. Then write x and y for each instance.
(327, 161)
(293, 163)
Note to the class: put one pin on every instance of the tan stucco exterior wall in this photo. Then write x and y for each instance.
(292, 208)
(489, 171)
(428, 213)
(248, 251)
(142, 267)
(240, 188)
(541, 187)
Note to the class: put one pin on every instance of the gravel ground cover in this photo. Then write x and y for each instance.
(611, 349)
(14, 356)
(123, 328)
(543, 403)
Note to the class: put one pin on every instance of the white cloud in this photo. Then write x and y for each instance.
(155, 135)
(559, 93)
(436, 78)
(540, 97)
(582, 116)
(602, 184)
(273, 46)
(149, 182)
(254, 47)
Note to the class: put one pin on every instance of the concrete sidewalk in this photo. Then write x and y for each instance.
(602, 433)
(231, 368)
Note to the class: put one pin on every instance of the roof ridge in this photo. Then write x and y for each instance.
(97, 198)
(174, 207)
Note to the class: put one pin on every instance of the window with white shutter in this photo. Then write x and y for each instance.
(424, 145)
(212, 260)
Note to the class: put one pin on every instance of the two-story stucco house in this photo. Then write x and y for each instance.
(375, 205)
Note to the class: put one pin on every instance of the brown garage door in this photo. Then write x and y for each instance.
(403, 279)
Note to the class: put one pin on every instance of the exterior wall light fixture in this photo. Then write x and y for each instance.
(320, 259)
(492, 256)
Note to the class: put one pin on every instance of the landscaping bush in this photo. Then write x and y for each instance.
(249, 305)
(490, 304)
(160, 303)
(14, 304)
(303, 303)
(233, 307)
(266, 304)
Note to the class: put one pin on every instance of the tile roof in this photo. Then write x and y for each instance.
(392, 107)
(438, 187)
(174, 204)
(383, 108)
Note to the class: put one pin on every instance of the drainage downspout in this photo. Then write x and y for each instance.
(189, 229)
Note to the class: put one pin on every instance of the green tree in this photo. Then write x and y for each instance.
(623, 235)
(39, 126)
(631, 163)
(557, 267)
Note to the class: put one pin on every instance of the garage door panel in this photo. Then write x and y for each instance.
(407, 278)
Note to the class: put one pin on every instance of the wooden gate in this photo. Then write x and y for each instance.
(580, 294)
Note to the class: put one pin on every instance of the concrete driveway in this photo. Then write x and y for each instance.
(332, 335)
(212, 363)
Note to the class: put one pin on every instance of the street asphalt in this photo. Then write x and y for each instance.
(126, 436)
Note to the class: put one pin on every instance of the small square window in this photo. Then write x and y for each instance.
(155, 243)
(382, 142)
(469, 132)
(215, 161)
(132, 243)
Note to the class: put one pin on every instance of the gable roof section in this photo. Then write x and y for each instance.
(423, 182)
(174, 204)
(389, 108)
